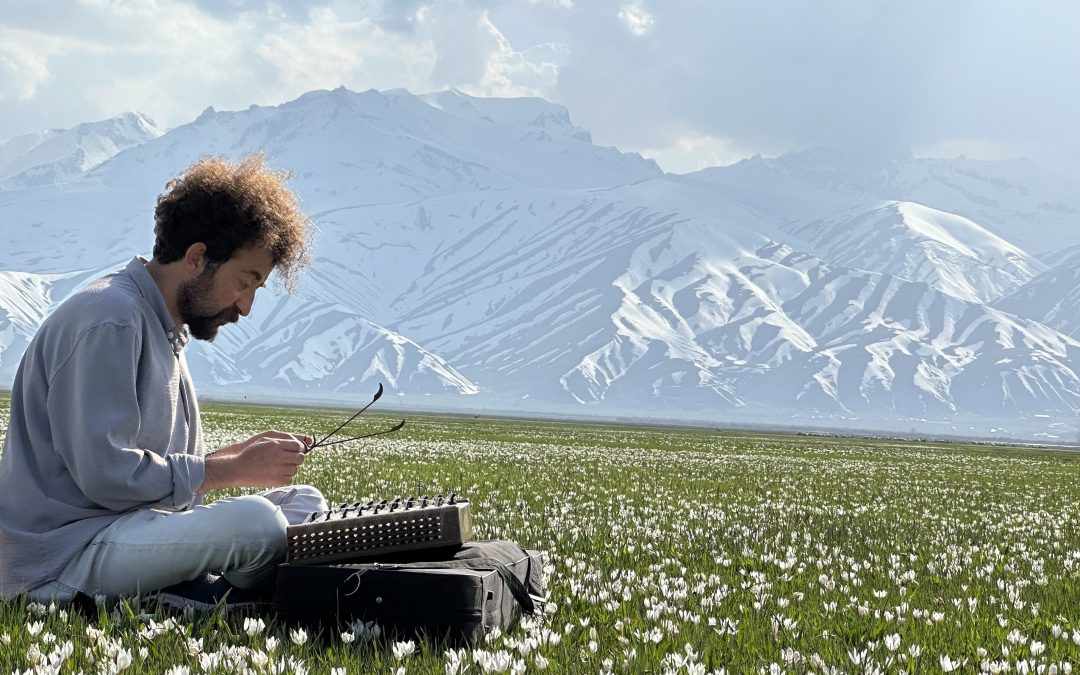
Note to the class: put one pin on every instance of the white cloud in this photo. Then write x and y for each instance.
(474, 56)
(511, 73)
(328, 51)
(818, 75)
(21, 71)
(172, 58)
(125, 8)
(694, 151)
(24, 61)
(635, 17)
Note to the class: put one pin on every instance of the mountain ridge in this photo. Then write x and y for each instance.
(482, 252)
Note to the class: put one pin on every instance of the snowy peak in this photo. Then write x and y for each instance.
(404, 147)
(1018, 199)
(920, 243)
(533, 112)
(59, 156)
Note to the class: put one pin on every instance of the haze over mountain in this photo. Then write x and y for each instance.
(485, 254)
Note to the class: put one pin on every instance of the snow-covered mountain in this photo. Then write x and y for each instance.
(57, 156)
(1018, 200)
(919, 243)
(485, 253)
(614, 303)
(1053, 297)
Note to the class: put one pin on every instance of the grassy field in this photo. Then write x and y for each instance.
(672, 551)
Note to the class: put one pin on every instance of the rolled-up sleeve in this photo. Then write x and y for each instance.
(95, 419)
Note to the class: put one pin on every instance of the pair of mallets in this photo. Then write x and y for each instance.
(324, 441)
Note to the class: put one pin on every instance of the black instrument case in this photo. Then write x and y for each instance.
(457, 596)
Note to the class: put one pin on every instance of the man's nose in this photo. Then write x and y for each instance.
(243, 305)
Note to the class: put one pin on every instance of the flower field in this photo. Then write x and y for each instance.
(671, 550)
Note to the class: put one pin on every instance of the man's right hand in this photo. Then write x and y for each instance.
(268, 459)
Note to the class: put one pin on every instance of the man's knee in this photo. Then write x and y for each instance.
(252, 518)
(311, 497)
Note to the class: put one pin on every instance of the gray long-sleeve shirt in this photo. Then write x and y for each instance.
(103, 420)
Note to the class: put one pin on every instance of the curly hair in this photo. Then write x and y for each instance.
(230, 206)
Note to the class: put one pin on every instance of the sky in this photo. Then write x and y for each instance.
(689, 83)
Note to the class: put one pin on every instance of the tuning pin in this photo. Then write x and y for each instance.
(453, 498)
(409, 503)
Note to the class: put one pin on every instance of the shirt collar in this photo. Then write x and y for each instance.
(177, 335)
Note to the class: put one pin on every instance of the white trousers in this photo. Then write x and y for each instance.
(242, 538)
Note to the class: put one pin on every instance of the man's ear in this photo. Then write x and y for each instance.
(195, 259)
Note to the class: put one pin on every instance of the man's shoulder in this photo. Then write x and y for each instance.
(111, 300)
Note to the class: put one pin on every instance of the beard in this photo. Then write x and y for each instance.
(196, 308)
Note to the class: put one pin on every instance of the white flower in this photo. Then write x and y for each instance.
(123, 660)
(455, 659)
(253, 626)
(271, 644)
(541, 662)
(892, 642)
(337, 671)
(348, 637)
(948, 665)
(178, 670)
(404, 649)
(35, 627)
(298, 636)
(1037, 647)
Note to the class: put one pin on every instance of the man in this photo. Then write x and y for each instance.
(103, 467)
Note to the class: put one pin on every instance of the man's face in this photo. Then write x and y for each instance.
(222, 293)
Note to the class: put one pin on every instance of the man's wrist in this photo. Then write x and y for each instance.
(220, 473)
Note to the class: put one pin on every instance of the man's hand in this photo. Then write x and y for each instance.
(268, 459)
(234, 448)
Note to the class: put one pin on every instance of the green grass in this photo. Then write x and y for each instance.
(799, 553)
